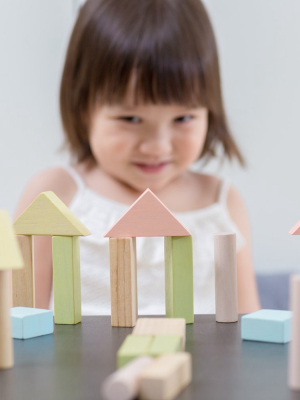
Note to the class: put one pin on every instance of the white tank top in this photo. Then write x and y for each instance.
(99, 213)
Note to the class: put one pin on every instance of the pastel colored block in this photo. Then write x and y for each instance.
(31, 322)
(124, 383)
(48, 215)
(267, 326)
(10, 254)
(226, 277)
(294, 347)
(166, 377)
(161, 326)
(6, 343)
(165, 344)
(179, 278)
(66, 280)
(123, 282)
(23, 279)
(147, 216)
(132, 347)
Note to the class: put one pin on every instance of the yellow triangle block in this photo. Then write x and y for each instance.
(48, 215)
(10, 254)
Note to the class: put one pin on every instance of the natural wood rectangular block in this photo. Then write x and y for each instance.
(23, 279)
(166, 376)
(123, 281)
(161, 326)
(66, 279)
(6, 343)
(179, 278)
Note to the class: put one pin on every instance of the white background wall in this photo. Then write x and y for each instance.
(259, 45)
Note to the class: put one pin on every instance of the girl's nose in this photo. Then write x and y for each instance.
(156, 144)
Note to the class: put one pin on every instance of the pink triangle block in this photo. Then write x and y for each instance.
(295, 229)
(147, 216)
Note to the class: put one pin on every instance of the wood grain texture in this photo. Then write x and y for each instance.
(123, 282)
(6, 343)
(132, 347)
(147, 216)
(179, 278)
(294, 347)
(226, 277)
(23, 279)
(66, 280)
(48, 215)
(161, 326)
(166, 377)
(10, 254)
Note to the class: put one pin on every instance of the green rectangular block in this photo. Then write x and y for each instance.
(66, 280)
(132, 347)
(165, 344)
(179, 278)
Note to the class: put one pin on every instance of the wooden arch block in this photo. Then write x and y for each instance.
(123, 282)
(179, 278)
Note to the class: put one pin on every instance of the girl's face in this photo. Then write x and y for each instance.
(147, 146)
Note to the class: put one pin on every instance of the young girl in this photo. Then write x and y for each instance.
(140, 103)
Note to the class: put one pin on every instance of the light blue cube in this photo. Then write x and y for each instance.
(267, 326)
(30, 322)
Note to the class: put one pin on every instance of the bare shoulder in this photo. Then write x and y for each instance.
(56, 180)
(238, 210)
(208, 186)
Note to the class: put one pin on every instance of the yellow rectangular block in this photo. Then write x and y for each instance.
(66, 279)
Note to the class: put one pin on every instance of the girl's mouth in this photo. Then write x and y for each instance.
(152, 168)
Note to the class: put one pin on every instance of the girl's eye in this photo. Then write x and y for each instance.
(131, 119)
(184, 118)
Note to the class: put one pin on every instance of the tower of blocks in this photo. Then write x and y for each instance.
(147, 217)
(10, 258)
(48, 215)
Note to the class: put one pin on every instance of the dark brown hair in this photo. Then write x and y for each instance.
(170, 46)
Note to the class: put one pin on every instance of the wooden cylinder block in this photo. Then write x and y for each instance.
(294, 350)
(226, 277)
(6, 343)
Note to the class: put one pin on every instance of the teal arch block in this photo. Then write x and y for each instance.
(28, 322)
(267, 326)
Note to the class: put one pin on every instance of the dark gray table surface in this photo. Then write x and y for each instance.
(72, 363)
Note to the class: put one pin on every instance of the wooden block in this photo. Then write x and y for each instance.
(165, 344)
(6, 344)
(29, 322)
(23, 279)
(166, 377)
(161, 326)
(226, 277)
(10, 254)
(295, 230)
(179, 278)
(66, 280)
(267, 326)
(147, 216)
(124, 383)
(123, 282)
(132, 347)
(48, 215)
(294, 347)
